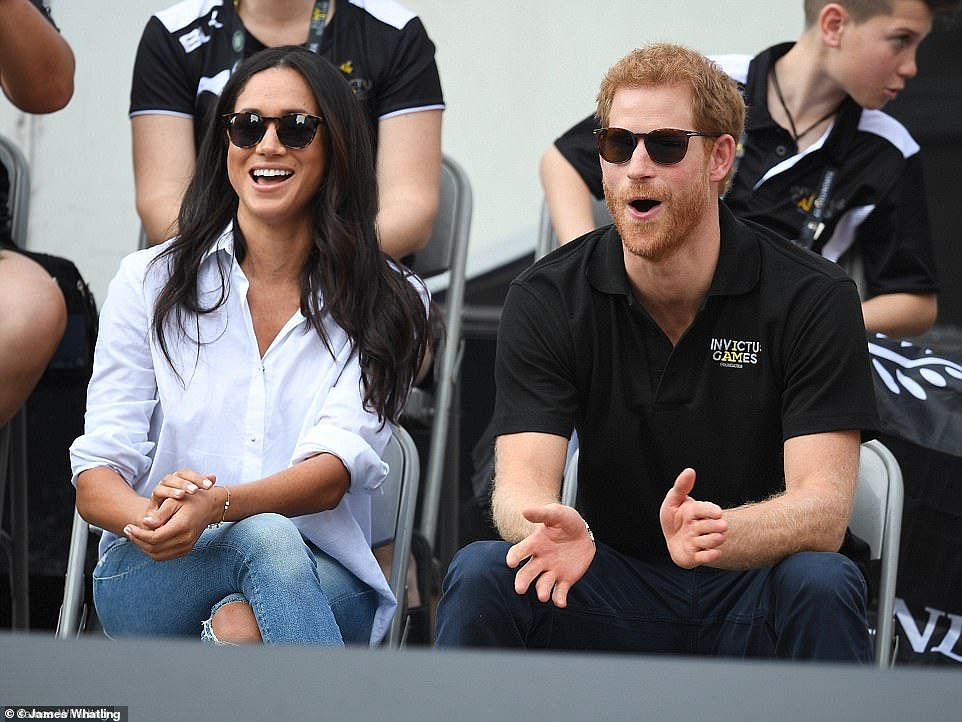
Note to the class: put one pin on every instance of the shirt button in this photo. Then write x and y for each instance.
(781, 151)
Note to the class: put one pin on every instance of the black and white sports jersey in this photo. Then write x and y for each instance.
(186, 55)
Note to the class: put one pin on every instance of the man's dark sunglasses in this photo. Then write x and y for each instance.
(665, 146)
(294, 130)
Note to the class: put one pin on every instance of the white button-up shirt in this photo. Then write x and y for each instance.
(224, 409)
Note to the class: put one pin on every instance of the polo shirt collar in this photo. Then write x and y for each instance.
(756, 94)
(737, 271)
(739, 260)
(756, 88)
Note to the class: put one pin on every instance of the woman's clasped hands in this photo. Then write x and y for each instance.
(178, 510)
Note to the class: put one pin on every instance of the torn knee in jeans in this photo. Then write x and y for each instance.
(231, 622)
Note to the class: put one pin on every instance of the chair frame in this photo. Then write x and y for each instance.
(446, 252)
(547, 241)
(876, 518)
(392, 519)
(18, 197)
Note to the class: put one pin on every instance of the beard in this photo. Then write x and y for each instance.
(658, 239)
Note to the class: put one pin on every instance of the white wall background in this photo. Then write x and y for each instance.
(515, 75)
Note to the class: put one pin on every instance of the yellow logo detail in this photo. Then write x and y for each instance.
(347, 67)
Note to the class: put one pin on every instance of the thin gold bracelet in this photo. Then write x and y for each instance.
(223, 516)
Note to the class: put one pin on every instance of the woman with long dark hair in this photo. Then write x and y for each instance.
(245, 380)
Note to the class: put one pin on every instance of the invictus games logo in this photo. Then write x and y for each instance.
(733, 353)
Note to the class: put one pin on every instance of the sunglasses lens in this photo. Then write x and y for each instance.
(616, 145)
(296, 130)
(666, 147)
(246, 129)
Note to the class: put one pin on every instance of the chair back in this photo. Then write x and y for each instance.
(446, 251)
(392, 519)
(18, 195)
(569, 487)
(447, 248)
(877, 496)
(877, 519)
(547, 240)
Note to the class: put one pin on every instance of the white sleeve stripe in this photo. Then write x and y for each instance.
(154, 111)
(887, 127)
(405, 111)
(179, 16)
(387, 11)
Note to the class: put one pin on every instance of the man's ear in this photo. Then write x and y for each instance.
(831, 22)
(722, 158)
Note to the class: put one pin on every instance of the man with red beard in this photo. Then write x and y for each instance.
(718, 380)
(816, 129)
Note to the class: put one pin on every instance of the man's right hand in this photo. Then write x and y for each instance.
(558, 553)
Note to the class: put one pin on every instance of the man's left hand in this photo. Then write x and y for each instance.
(694, 530)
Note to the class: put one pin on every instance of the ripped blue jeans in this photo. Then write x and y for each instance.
(299, 594)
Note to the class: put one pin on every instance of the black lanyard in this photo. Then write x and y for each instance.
(314, 35)
(813, 226)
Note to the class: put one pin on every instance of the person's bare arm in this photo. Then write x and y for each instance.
(552, 547)
(408, 176)
(36, 63)
(569, 200)
(810, 515)
(167, 525)
(164, 159)
(528, 471)
(900, 314)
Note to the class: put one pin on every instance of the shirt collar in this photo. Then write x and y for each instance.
(756, 87)
(737, 271)
(756, 92)
(224, 242)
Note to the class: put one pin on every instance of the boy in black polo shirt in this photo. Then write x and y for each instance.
(814, 105)
(698, 358)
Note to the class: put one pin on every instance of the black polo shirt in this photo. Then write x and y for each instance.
(777, 350)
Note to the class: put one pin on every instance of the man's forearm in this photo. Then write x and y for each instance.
(528, 472)
(764, 533)
(900, 314)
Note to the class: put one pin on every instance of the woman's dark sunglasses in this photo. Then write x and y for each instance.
(665, 146)
(294, 130)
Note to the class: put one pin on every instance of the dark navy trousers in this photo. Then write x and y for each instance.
(809, 606)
